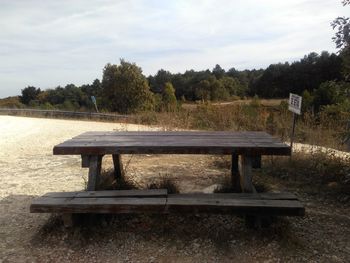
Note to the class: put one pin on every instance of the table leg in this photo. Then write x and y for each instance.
(235, 178)
(94, 172)
(245, 171)
(118, 166)
(67, 220)
(256, 162)
(246, 163)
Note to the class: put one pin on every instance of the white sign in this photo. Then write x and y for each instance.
(295, 103)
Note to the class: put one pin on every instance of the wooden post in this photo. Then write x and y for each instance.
(85, 161)
(246, 176)
(256, 162)
(245, 171)
(94, 172)
(235, 180)
(67, 220)
(118, 166)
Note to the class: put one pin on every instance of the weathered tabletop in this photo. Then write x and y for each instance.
(181, 142)
(244, 147)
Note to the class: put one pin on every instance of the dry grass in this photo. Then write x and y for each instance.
(314, 167)
(108, 182)
(322, 130)
(164, 182)
(264, 102)
(225, 186)
(322, 173)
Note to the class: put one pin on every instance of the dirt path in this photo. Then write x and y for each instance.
(28, 169)
(302, 147)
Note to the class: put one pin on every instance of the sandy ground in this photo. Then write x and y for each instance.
(28, 169)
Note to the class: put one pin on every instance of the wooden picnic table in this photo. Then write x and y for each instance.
(244, 147)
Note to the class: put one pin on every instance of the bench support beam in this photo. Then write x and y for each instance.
(85, 161)
(245, 172)
(94, 172)
(118, 166)
(256, 162)
(67, 220)
(235, 178)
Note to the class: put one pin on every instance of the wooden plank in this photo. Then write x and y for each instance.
(253, 196)
(98, 205)
(165, 149)
(109, 193)
(245, 172)
(165, 142)
(118, 166)
(263, 136)
(163, 192)
(251, 204)
(183, 142)
(236, 206)
(94, 172)
(177, 133)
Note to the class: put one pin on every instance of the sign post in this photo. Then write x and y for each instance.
(94, 102)
(295, 107)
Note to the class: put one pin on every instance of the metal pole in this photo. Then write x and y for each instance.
(292, 135)
(96, 107)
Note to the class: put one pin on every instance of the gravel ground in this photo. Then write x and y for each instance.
(28, 169)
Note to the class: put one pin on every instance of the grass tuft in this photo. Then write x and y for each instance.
(108, 182)
(165, 183)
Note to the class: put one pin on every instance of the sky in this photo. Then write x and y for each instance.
(51, 43)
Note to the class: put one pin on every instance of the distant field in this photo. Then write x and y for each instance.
(264, 102)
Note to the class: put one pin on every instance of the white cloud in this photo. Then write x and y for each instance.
(50, 43)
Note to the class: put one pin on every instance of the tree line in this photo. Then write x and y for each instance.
(124, 88)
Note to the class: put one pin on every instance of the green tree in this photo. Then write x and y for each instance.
(218, 71)
(278, 80)
(157, 82)
(342, 40)
(125, 89)
(342, 25)
(330, 92)
(168, 97)
(203, 90)
(308, 100)
(29, 93)
(233, 86)
(93, 89)
(218, 91)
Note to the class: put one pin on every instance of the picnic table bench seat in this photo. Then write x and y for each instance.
(159, 201)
